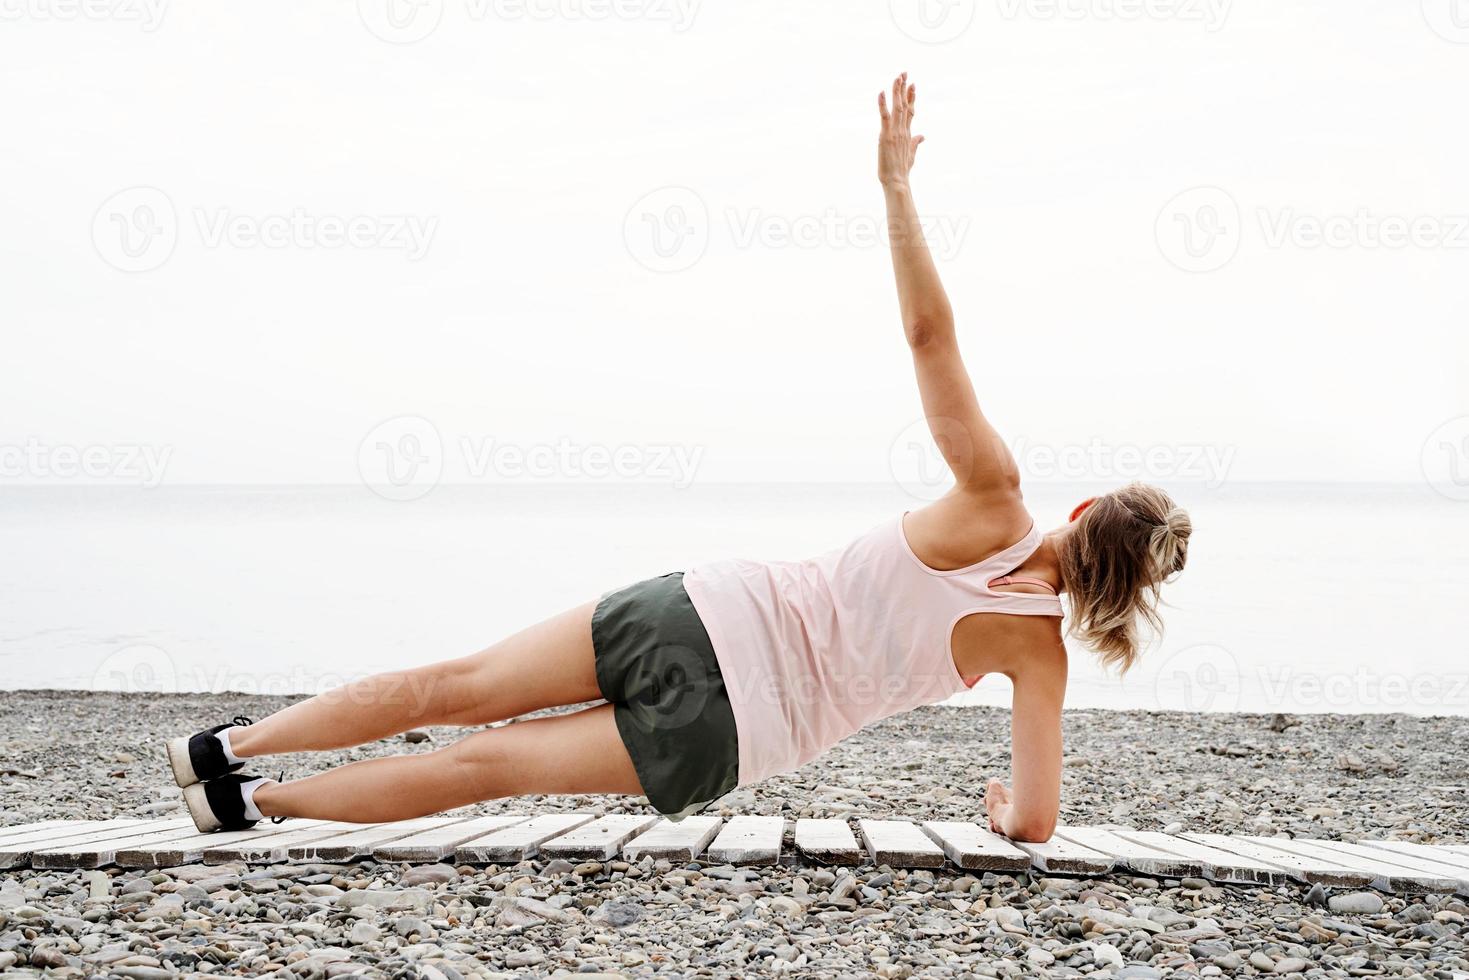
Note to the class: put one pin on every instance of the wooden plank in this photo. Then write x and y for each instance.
(25, 831)
(520, 841)
(1387, 873)
(1429, 852)
(1429, 875)
(681, 841)
(1456, 848)
(1219, 865)
(360, 842)
(599, 840)
(1139, 857)
(827, 840)
(190, 850)
(749, 840)
(17, 851)
(1309, 868)
(439, 843)
(973, 847)
(1061, 856)
(97, 850)
(900, 844)
(274, 848)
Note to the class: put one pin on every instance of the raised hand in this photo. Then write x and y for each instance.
(897, 146)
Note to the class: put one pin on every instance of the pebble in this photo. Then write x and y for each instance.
(1355, 903)
(428, 874)
(697, 918)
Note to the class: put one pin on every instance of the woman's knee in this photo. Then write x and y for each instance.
(481, 763)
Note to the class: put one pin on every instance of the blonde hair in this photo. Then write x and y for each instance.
(1114, 562)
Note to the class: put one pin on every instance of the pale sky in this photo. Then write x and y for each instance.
(1128, 201)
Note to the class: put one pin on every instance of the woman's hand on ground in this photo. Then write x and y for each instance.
(997, 804)
(897, 146)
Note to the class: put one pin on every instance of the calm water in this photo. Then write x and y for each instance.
(1298, 598)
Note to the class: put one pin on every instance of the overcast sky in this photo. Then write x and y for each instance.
(245, 236)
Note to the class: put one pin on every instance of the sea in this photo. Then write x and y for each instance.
(1298, 598)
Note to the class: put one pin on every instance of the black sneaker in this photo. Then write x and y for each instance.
(196, 758)
(218, 804)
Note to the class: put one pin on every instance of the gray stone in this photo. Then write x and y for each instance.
(1355, 903)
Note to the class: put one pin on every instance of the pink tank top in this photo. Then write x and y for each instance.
(813, 650)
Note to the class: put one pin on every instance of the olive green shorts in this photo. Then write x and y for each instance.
(656, 665)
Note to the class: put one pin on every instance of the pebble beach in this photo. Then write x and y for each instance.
(97, 755)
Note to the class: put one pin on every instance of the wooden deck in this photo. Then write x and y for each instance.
(1392, 866)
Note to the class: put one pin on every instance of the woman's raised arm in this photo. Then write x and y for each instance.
(979, 459)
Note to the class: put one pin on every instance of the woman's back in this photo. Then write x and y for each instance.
(813, 650)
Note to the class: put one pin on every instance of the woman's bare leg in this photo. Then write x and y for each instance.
(575, 753)
(547, 665)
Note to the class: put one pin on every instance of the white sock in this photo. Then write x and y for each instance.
(247, 790)
(229, 753)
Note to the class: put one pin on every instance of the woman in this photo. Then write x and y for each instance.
(737, 670)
